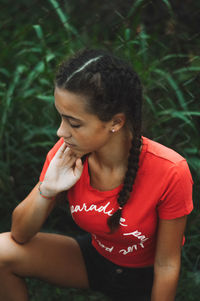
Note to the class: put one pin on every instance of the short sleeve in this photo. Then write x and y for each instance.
(49, 157)
(176, 200)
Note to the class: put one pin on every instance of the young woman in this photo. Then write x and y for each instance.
(132, 195)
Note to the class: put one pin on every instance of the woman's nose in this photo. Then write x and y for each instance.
(63, 131)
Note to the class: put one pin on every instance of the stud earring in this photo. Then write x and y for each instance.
(113, 130)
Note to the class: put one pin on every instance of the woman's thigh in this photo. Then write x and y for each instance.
(51, 257)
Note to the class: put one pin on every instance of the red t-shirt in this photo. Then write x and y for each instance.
(162, 189)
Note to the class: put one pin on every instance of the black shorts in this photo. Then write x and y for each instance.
(117, 282)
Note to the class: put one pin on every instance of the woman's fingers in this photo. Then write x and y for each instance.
(78, 167)
(69, 161)
(61, 150)
(64, 152)
(64, 170)
(65, 157)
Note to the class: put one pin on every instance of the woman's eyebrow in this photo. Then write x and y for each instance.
(71, 117)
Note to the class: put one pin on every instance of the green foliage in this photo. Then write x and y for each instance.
(35, 38)
(60, 294)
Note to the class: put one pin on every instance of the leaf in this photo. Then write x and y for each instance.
(173, 56)
(39, 32)
(50, 56)
(186, 69)
(134, 7)
(168, 4)
(152, 106)
(46, 98)
(16, 77)
(63, 17)
(174, 86)
(29, 50)
(194, 162)
(5, 72)
(127, 34)
(192, 150)
(177, 114)
(39, 68)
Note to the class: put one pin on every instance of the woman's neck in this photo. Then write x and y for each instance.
(115, 153)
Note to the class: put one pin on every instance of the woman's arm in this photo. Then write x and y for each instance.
(62, 173)
(29, 215)
(168, 258)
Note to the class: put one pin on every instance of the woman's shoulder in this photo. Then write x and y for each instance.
(162, 162)
(157, 150)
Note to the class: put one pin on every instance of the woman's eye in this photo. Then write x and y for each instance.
(75, 125)
(72, 125)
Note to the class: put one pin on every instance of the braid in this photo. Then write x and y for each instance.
(130, 176)
(110, 86)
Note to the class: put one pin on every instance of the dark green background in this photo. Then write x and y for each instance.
(160, 38)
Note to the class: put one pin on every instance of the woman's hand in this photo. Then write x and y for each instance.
(63, 172)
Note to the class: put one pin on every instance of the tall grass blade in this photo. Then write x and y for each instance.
(39, 68)
(39, 32)
(186, 69)
(168, 4)
(64, 19)
(178, 114)
(173, 56)
(174, 86)
(135, 6)
(9, 97)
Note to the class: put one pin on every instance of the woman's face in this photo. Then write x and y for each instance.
(83, 132)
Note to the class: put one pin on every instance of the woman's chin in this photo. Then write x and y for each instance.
(78, 153)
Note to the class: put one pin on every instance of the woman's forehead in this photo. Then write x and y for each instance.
(73, 104)
(69, 99)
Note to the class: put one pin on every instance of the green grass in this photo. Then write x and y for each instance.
(40, 290)
(33, 43)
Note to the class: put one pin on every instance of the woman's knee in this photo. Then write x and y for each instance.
(8, 250)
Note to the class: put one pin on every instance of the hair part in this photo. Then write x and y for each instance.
(110, 86)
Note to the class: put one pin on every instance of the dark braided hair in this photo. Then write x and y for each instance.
(110, 86)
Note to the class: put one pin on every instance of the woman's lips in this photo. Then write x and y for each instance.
(69, 144)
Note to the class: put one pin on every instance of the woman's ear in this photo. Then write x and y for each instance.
(118, 122)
